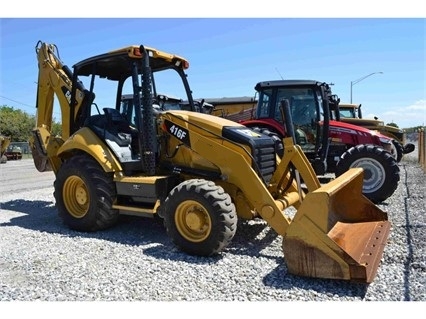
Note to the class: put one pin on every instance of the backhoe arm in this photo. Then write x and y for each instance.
(54, 78)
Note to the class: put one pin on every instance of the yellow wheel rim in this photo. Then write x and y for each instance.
(76, 197)
(193, 221)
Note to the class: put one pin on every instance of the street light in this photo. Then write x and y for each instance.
(360, 79)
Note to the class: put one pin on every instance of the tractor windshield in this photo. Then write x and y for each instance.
(305, 105)
(304, 102)
(347, 112)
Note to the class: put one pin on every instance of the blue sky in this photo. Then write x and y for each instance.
(228, 56)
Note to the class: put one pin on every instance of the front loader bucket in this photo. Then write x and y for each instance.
(337, 232)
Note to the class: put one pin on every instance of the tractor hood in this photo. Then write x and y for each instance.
(357, 130)
(360, 129)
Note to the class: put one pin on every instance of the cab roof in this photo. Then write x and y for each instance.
(285, 83)
(115, 65)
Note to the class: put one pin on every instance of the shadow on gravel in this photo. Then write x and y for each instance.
(280, 279)
(247, 241)
(259, 240)
(42, 216)
(130, 230)
(253, 239)
(256, 240)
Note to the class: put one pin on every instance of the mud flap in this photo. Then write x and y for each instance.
(337, 232)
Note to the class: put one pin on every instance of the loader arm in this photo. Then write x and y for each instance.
(269, 200)
(54, 79)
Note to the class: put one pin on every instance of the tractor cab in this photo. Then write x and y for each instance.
(309, 105)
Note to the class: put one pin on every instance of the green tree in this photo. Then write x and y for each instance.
(16, 123)
(19, 125)
(393, 124)
(56, 128)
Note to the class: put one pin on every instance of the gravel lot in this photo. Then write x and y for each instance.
(40, 259)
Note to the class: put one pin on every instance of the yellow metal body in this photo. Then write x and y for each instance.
(4, 144)
(336, 232)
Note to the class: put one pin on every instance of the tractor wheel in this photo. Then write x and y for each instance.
(200, 217)
(84, 194)
(397, 150)
(381, 171)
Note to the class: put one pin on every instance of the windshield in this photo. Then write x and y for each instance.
(347, 112)
(160, 103)
(306, 111)
(304, 104)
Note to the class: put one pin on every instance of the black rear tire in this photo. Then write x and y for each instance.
(381, 171)
(200, 217)
(84, 194)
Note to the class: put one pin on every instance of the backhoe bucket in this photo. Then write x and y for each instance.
(337, 232)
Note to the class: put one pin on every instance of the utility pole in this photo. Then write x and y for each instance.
(360, 79)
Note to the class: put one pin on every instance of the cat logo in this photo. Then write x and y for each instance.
(67, 94)
(248, 132)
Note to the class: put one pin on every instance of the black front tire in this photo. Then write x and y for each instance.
(84, 194)
(381, 171)
(200, 217)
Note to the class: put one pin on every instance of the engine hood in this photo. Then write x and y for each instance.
(356, 128)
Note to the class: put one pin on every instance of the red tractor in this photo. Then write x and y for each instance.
(330, 145)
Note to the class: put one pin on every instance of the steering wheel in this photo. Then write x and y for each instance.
(161, 99)
(199, 105)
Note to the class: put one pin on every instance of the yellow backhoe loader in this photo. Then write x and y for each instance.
(197, 172)
(4, 144)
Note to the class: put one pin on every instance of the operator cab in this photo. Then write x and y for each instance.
(127, 125)
(309, 102)
(305, 106)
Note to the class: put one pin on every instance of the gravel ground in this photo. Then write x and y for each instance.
(40, 259)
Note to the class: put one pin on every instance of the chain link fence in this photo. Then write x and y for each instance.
(422, 148)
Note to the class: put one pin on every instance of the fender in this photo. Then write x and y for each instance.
(87, 141)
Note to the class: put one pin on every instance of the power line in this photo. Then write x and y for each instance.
(279, 74)
(31, 106)
(6, 98)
